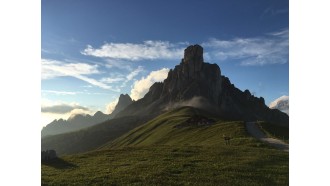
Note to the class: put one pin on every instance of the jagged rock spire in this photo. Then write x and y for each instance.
(193, 54)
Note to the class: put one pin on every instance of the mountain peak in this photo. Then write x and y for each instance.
(99, 114)
(123, 97)
(123, 102)
(193, 54)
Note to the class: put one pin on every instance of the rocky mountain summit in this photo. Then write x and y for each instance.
(123, 102)
(200, 84)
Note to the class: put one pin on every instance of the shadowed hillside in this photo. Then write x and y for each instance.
(92, 137)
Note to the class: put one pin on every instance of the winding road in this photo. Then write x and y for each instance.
(254, 130)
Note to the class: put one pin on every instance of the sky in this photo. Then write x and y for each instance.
(94, 50)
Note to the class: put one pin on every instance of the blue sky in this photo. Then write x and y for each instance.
(92, 51)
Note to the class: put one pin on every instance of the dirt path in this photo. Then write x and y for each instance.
(254, 130)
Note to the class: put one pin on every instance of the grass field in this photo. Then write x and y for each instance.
(158, 153)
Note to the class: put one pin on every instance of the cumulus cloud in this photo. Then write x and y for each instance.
(148, 50)
(281, 103)
(276, 101)
(273, 48)
(53, 68)
(141, 87)
(111, 106)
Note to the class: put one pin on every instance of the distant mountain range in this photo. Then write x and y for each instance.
(281, 103)
(79, 121)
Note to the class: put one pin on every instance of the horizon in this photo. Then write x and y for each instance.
(93, 52)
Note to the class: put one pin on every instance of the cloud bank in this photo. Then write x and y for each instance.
(271, 48)
(148, 50)
(141, 87)
(62, 108)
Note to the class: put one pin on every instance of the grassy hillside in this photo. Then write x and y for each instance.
(91, 138)
(159, 153)
(163, 131)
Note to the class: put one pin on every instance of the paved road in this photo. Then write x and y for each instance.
(254, 130)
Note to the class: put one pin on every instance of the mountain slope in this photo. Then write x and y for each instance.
(193, 78)
(172, 128)
(79, 121)
(92, 137)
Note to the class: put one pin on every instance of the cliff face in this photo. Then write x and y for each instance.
(194, 78)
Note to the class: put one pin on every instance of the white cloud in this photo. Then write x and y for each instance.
(59, 92)
(62, 108)
(51, 110)
(141, 87)
(148, 50)
(281, 103)
(111, 106)
(276, 101)
(53, 68)
(112, 80)
(272, 48)
(134, 73)
(115, 78)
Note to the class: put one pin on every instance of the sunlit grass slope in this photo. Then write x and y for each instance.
(163, 131)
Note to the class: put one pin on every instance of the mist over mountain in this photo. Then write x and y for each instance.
(281, 103)
(80, 121)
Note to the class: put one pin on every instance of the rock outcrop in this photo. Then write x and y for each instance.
(195, 78)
